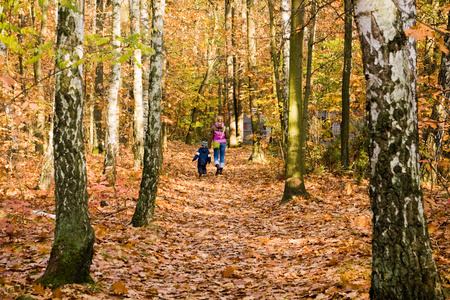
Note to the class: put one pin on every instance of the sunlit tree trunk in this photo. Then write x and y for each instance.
(145, 24)
(38, 75)
(230, 73)
(346, 73)
(112, 123)
(72, 250)
(138, 130)
(285, 16)
(403, 265)
(47, 174)
(257, 150)
(276, 65)
(295, 153)
(308, 81)
(98, 146)
(152, 146)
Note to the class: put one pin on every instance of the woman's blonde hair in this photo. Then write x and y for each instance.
(219, 119)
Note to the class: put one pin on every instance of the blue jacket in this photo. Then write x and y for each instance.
(203, 155)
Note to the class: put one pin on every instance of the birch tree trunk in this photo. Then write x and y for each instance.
(285, 15)
(152, 146)
(295, 153)
(138, 130)
(145, 24)
(257, 150)
(346, 73)
(72, 249)
(112, 122)
(403, 265)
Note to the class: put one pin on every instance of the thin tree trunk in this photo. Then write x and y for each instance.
(257, 150)
(138, 132)
(47, 174)
(98, 146)
(230, 72)
(152, 146)
(276, 66)
(38, 77)
(403, 265)
(285, 15)
(346, 73)
(295, 154)
(308, 91)
(145, 29)
(112, 124)
(72, 249)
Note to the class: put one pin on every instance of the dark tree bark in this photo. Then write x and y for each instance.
(152, 144)
(72, 250)
(403, 265)
(295, 153)
(98, 146)
(346, 73)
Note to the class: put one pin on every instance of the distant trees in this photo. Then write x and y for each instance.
(72, 250)
(403, 265)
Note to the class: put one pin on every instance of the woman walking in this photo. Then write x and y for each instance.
(219, 143)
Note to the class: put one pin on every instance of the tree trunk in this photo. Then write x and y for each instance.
(99, 87)
(112, 123)
(346, 73)
(138, 132)
(145, 24)
(72, 250)
(295, 153)
(257, 150)
(276, 67)
(308, 90)
(38, 77)
(230, 73)
(285, 15)
(47, 174)
(403, 265)
(152, 147)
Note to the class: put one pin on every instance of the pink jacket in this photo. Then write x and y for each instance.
(219, 133)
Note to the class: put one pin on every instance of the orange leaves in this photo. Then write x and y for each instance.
(118, 288)
(423, 31)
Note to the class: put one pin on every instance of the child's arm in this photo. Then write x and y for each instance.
(197, 154)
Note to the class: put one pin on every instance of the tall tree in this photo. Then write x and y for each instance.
(98, 88)
(145, 38)
(257, 150)
(308, 84)
(38, 74)
(403, 265)
(152, 146)
(285, 19)
(230, 72)
(295, 152)
(112, 119)
(346, 73)
(138, 129)
(73, 245)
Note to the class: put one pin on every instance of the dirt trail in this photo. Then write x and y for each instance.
(229, 238)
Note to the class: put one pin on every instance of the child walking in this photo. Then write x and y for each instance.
(204, 157)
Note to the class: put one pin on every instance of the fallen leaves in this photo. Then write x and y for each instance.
(214, 236)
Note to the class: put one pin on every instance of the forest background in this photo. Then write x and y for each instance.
(196, 35)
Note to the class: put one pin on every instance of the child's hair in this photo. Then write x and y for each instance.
(219, 119)
(204, 144)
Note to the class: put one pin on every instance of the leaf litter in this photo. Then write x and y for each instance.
(214, 237)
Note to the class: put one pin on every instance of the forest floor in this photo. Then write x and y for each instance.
(214, 237)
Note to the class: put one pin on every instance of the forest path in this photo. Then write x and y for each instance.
(230, 239)
(214, 237)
